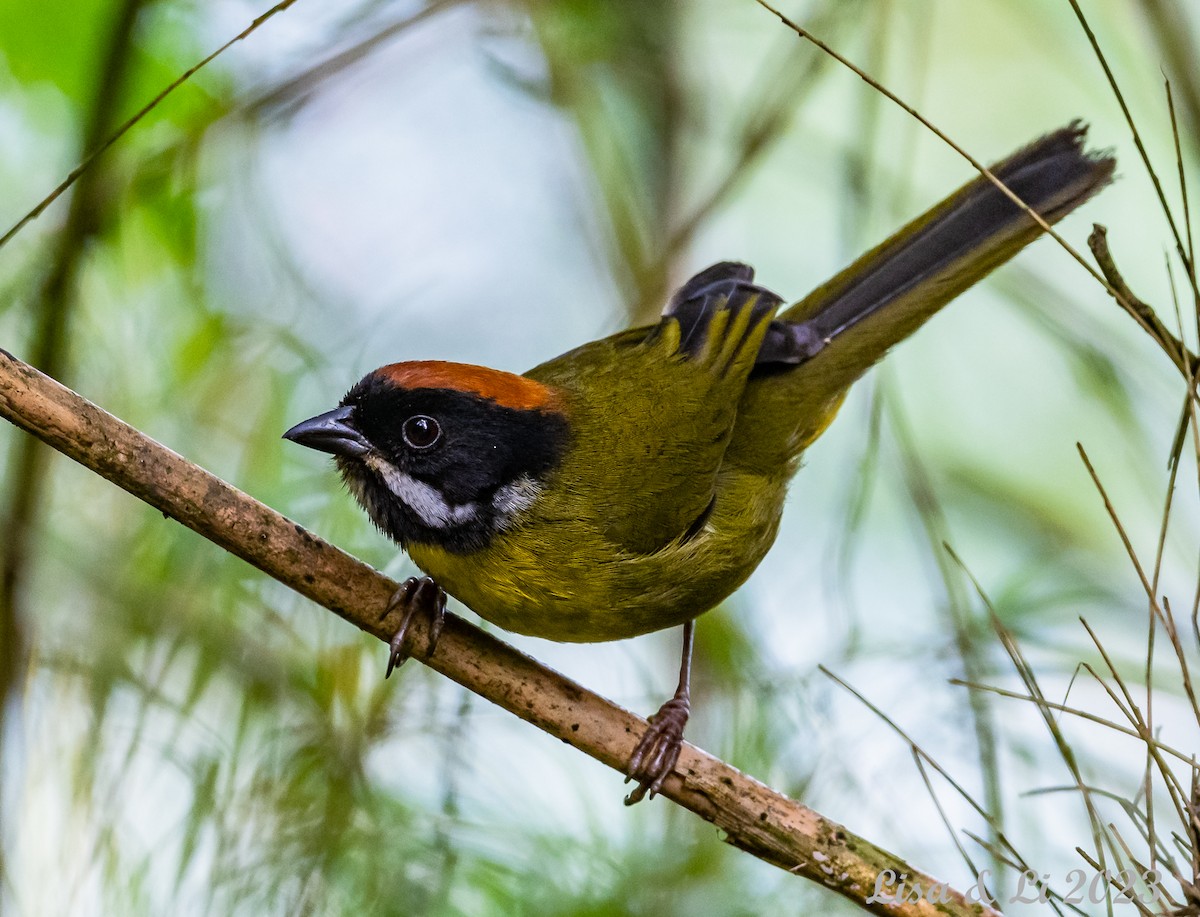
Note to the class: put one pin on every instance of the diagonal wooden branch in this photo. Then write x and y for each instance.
(754, 817)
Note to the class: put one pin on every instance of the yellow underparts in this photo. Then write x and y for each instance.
(560, 579)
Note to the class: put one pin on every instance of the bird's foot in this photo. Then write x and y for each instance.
(416, 595)
(656, 754)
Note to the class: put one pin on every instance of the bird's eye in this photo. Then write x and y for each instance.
(421, 432)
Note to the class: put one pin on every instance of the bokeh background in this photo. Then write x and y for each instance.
(495, 182)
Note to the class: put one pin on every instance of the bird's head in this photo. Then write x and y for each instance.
(442, 453)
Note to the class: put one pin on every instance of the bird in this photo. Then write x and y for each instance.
(633, 483)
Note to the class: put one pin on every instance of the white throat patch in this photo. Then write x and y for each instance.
(423, 499)
(431, 506)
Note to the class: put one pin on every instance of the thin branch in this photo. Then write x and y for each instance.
(1045, 705)
(1183, 358)
(937, 132)
(1136, 135)
(294, 88)
(754, 817)
(145, 110)
(976, 164)
(969, 650)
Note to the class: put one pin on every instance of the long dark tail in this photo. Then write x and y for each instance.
(818, 347)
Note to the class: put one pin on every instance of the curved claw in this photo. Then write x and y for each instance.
(417, 595)
(658, 751)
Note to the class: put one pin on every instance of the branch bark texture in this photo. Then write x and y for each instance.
(754, 817)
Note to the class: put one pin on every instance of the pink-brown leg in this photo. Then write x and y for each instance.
(658, 751)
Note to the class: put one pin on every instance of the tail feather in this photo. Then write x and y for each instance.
(818, 347)
(952, 246)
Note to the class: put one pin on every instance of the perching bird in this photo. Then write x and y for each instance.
(633, 483)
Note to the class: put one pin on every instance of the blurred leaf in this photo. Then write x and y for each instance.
(55, 43)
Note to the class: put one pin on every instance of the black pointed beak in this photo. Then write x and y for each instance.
(331, 432)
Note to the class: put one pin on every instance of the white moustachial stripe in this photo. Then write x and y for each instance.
(430, 504)
(423, 499)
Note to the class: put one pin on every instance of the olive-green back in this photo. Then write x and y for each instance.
(650, 425)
